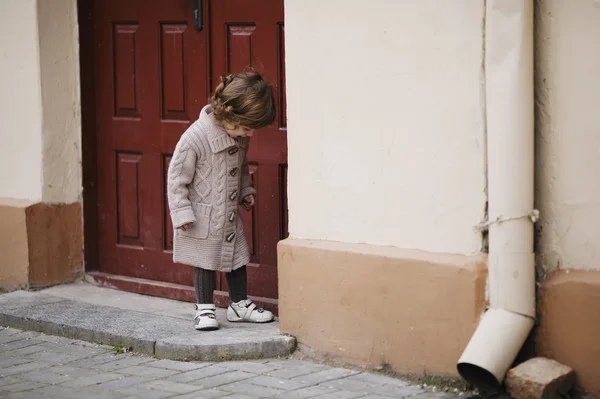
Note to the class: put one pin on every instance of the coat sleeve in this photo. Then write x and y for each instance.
(246, 185)
(180, 175)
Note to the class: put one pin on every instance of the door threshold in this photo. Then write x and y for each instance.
(163, 289)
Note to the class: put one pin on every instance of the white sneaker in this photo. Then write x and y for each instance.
(246, 310)
(205, 317)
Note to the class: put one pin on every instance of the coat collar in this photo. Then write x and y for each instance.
(218, 138)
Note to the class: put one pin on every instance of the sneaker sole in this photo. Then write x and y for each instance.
(206, 328)
(250, 321)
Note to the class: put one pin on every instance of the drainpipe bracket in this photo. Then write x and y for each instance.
(534, 216)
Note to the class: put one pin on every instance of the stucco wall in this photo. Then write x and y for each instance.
(568, 133)
(20, 101)
(385, 122)
(61, 137)
(40, 132)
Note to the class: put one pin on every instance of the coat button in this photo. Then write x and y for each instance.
(232, 216)
(230, 237)
(233, 150)
(233, 171)
(233, 195)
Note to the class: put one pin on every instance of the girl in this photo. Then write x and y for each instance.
(208, 178)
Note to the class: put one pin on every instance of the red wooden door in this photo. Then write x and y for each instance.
(152, 79)
(249, 34)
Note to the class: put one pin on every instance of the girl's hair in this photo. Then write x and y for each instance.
(244, 99)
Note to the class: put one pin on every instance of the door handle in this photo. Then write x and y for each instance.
(198, 15)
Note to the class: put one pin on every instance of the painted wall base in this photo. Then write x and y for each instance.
(569, 329)
(369, 305)
(40, 244)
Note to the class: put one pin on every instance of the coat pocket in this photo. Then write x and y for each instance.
(200, 228)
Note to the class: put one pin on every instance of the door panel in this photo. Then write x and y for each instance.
(153, 76)
(246, 35)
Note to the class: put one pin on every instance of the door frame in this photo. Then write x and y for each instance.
(85, 15)
(89, 135)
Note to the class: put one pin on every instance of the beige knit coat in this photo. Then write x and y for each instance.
(208, 178)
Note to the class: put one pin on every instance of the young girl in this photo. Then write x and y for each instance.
(208, 179)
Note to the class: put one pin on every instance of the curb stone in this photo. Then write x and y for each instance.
(144, 333)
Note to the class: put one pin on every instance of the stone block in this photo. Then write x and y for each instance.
(539, 378)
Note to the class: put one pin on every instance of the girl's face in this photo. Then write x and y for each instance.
(238, 131)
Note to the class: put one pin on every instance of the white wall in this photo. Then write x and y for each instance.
(20, 101)
(385, 122)
(40, 129)
(61, 137)
(568, 133)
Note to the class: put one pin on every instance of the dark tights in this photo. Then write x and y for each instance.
(204, 282)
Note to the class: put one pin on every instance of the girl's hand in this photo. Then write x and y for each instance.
(248, 202)
(185, 226)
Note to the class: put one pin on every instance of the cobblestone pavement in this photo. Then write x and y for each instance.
(34, 365)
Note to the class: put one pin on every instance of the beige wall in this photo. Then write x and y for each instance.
(61, 135)
(20, 101)
(386, 142)
(40, 132)
(40, 141)
(568, 133)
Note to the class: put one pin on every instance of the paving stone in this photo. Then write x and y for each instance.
(8, 381)
(170, 386)
(246, 388)
(325, 375)
(122, 382)
(146, 393)
(175, 365)
(74, 372)
(122, 362)
(17, 345)
(45, 377)
(239, 396)
(195, 375)
(5, 339)
(308, 392)
(222, 379)
(341, 395)
(6, 361)
(53, 357)
(72, 348)
(347, 384)
(21, 386)
(278, 383)
(27, 350)
(377, 379)
(96, 361)
(207, 394)
(92, 380)
(250, 367)
(57, 391)
(25, 367)
(150, 372)
(25, 395)
(297, 371)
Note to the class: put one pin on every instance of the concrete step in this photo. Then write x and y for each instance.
(143, 324)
